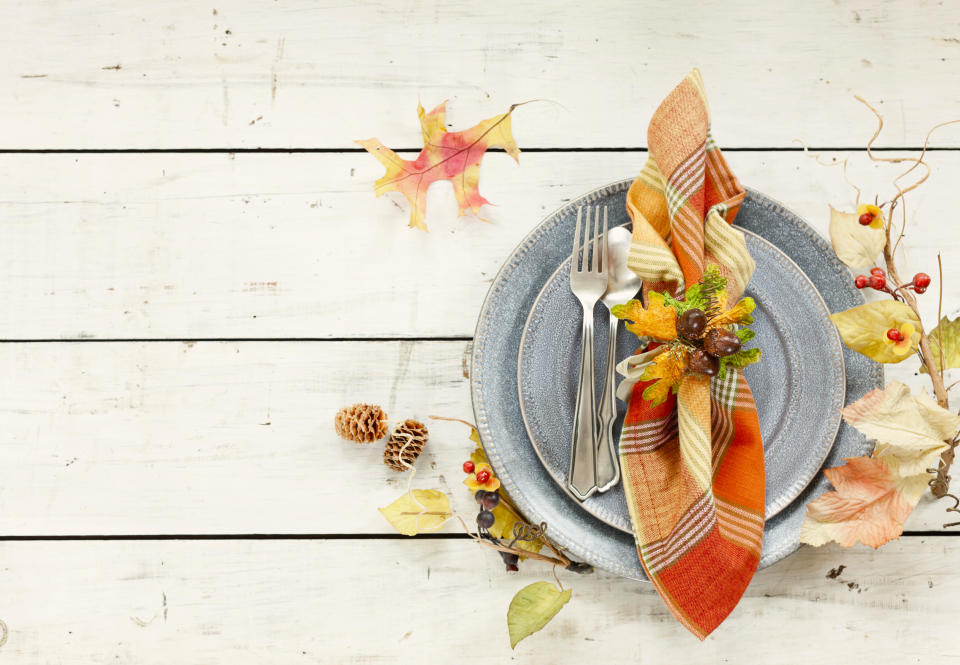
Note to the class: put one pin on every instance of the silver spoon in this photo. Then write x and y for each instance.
(622, 285)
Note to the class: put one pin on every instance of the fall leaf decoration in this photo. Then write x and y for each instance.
(667, 370)
(695, 333)
(864, 328)
(657, 321)
(916, 435)
(855, 244)
(532, 608)
(418, 511)
(453, 156)
(945, 343)
(506, 515)
(910, 427)
(875, 495)
(870, 504)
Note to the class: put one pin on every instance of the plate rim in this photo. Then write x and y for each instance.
(795, 489)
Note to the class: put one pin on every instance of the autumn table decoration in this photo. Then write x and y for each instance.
(453, 156)
(915, 434)
(701, 504)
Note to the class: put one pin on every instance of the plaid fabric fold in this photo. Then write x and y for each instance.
(693, 466)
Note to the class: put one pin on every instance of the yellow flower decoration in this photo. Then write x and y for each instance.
(907, 342)
(874, 212)
(484, 471)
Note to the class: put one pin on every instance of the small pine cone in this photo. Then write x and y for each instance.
(363, 423)
(406, 443)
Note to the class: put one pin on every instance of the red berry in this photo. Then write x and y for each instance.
(866, 219)
(483, 476)
(860, 282)
(878, 282)
(468, 467)
(879, 272)
(922, 280)
(920, 289)
(894, 335)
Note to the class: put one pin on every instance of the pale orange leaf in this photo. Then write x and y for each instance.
(453, 156)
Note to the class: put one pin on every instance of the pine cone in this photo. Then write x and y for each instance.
(363, 423)
(406, 444)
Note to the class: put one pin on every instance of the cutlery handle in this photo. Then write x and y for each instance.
(583, 455)
(608, 466)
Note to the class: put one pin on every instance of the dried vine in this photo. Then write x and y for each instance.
(940, 484)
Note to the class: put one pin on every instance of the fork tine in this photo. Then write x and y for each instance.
(575, 255)
(595, 266)
(606, 245)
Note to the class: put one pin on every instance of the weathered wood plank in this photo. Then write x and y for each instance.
(298, 73)
(185, 246)
(225, 437)
(395, 601)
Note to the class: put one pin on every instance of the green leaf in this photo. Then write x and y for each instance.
(406, 513)
(699, 295)
(532, 608)
(738, 360)
(864, 328)
(949, 331)
(680, 305)
(745, 335)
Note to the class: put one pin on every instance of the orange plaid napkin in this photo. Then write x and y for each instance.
(693, 466)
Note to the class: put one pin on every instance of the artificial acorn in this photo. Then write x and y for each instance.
(702, 362)
(692, 323)
(721, 342)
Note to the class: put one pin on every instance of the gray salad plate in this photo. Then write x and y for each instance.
(494, 371)
(798, 394)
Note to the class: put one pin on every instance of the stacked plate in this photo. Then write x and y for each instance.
(524, 374)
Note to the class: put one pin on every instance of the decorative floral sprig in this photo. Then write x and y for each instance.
(695, 332)
(500, 527)
(875, 494)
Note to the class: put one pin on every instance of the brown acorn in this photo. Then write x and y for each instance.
(721, 342)
(702, 362)
(692, 323)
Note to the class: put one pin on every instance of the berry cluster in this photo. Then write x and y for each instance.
(878, 281)
(485, 519)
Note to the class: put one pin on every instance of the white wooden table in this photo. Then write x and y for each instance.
(196, 276)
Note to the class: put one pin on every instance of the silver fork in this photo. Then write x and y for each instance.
(587, 282)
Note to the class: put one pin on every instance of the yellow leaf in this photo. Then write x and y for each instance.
(911, 428)
(453, 156)
(864, 328)
(949, 332)
(532, 608)
(658, 320)
(870, 504)
(406, 513)
(739, 313)
(667, 368)
(475, 436)
(855, 245)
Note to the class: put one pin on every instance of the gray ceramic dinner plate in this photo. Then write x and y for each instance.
(798, 394)
(494, 386)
